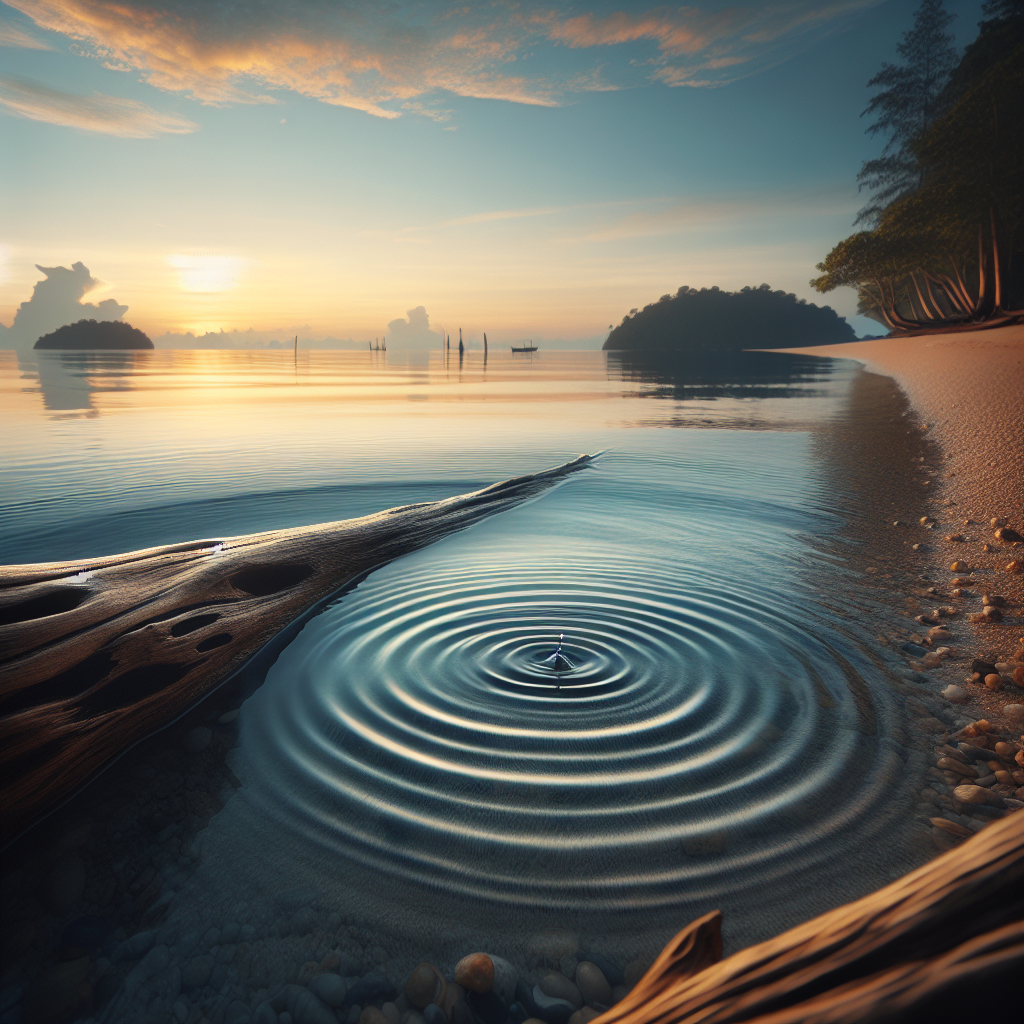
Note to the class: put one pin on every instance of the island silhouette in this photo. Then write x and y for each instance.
(711, 320)
(90, 334)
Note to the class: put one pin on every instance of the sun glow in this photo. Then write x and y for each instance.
(203, 273)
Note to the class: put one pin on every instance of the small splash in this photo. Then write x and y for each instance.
(557, 661)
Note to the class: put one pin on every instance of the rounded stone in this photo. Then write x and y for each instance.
(1014, 711)
(994, 681)
(558, 986)
(329, 988)
(956, 694)
(584, 1016)
(425, 985)
(195, 973)
(197, 739)
(475, 972)
(975, 795)
(371, 1015)
(506, 977)
(593, 985)
(227, 717)
(432, 1014)
(391, 1013)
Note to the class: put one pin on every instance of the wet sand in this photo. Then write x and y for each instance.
(967, 391)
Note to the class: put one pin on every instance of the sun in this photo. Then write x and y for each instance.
(207, 273)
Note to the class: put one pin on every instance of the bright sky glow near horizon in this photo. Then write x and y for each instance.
(521, 169)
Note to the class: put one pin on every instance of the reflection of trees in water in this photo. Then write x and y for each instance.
(730, 375)
(68, 380)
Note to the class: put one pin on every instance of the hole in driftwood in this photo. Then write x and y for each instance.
(212, 642)
(69, 683)
(192, 624)
(136, 684)
(54, 603)
(261, 580)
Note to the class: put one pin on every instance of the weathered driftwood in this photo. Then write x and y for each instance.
(99, 652)
(944, 943)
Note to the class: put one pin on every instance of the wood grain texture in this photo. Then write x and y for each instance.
(97, 653)
(939, 944)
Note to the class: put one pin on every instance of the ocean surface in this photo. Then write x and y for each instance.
(725, 735)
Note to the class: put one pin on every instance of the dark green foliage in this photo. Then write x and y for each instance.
(711, 320)
(912, 96)
(951, 248)
(88, 334)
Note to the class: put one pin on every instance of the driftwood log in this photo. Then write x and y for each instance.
(944, 943)
(97, 653)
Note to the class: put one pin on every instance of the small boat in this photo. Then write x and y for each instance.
(528, 347)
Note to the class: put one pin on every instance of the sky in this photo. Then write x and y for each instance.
(524, 169)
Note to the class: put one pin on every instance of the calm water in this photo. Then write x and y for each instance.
(728, 736)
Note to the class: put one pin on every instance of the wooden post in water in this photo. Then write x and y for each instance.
(485, 344)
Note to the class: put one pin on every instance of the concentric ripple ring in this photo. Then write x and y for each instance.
(703, 736)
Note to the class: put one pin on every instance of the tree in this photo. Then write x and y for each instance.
(910, 99)
(950, 249)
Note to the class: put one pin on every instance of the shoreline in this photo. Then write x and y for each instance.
(966, 391)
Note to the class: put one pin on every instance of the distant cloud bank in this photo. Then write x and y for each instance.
(110, 115)
(384, 59)
(57, 300)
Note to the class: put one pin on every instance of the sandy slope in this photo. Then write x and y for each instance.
(969, 390)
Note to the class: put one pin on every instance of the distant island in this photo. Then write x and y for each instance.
(710, 320)
(89, 334)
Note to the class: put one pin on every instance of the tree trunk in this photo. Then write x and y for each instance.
(933, 946)
(100, 652)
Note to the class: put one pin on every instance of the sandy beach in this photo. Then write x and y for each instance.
(967, 390)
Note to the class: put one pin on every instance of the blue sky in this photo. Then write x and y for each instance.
(521, 169)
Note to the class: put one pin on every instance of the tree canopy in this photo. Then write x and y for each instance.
(948, 246)
(711, 320)
(88, 334)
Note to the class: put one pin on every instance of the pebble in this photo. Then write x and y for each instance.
(975, 795)
(506, 979)
(948, 764)
(608, 969)
(558, 986)
(956, 694)
(592, 983)
(264, 1014)
(65, 885)
(371, 1015)
(195, 973)
(994, 681)
(237, 1013)
(134, 947)
(475, 972)
(1014, 711)
(153, 962)
(329, 988)
(432, 1014)
(391, 1013)
(197, 739)
(228, 717)
(425, 985)
(951, 827)
(552, 1011)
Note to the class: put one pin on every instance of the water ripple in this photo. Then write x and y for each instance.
(703, 735)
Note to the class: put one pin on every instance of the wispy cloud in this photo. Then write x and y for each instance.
(383, 59)
(11, 35)
(110, 115)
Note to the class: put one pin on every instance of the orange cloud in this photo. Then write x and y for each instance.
(379, 59)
